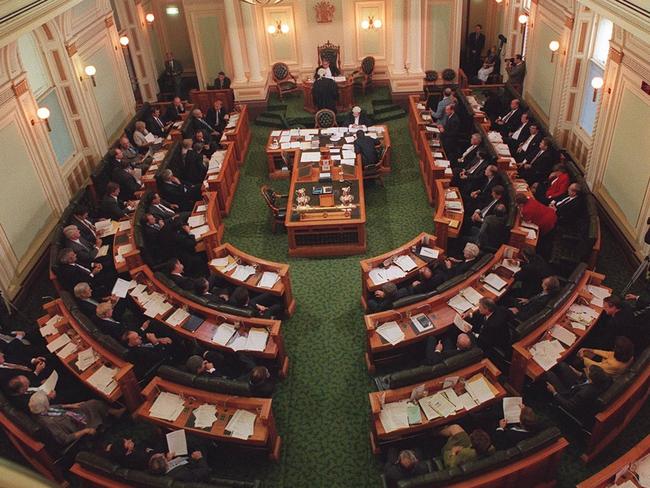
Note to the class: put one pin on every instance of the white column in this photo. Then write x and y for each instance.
(398, 36)
(248, 15)
(233, 38)
(414, 43)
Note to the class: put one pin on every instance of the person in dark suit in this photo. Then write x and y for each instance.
(175, 111)
(151, 230)
(107, 324)
(144, 353)
(159, 208)
(86, 251)
(618, 320)
(449, 132)
(329, 70)
(468, 180)
(509, 121)
(570, 208)
(529, 148)
(174, 73)
(88, 304)
(184, 245)
(195, 470)
(112, 206)
(493, 231)
(437, 350)
(470, 154)
(539, 167)
(123, 176)
(527, 307)
(81, 219)
(134, 455)
(383, 298)
(213, 364)
(260, 382)
(403, 465)
(177, 192)
(325, 92)
(481, 195)
(263, 305)
(516, 71)
(19, 390)
(217, 116)
(69, 273)
(155, 123)
(175, 269)
(367, 147)
(475, 45)
(473, 224)
(33, 371)
(424, 282)
(221, 82)
(533, 269)
(506, 435)
(452, 267)
(490, 322)
(520, 134)
(574, 392)
(196, 167)
(206, 290)
(199, 124)
(357, 118)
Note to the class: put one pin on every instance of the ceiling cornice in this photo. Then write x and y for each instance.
(633, 16)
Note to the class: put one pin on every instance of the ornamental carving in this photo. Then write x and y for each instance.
(324, 12)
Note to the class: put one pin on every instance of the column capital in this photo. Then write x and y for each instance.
(108, 21)
(20, 88)
(615, 55)
(569, 22)
(71, 49)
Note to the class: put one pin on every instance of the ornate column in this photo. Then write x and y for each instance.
(235, 45)
(414, 42)
(248, 16)
(398, 37)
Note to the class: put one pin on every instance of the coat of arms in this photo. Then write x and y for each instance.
(324, 12)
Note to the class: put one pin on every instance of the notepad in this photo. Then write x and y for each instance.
(58, 343)
(243, 272)
(268, 279)
(495, 281)
(242, 424)
(177, 442)
(121, 288)
(512, 409)
(377, 276)
(177, 317)
(394, 416)
(391, 332)
(479, 390)
(428, 252)
(471, 295)
(196, 220)
(459, 303)
(462, 324)
(563, 335)
(405, 262)
(68, 349)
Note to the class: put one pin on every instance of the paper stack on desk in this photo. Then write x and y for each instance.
(199, 231)
(220, 262)
(406, 263)
(391, 332)
(102, 379)
(512, 409)
(471, 295)
(205, 416)
(58, 343)
(495, 282)
(479, 389)
(546, 353)
(394, 272)
(242, 424)
(453, 206)
(196, 220)
(581, 313)
(310, 157)
(68, 349)
(224, 333)
(177, 317)
(243, 272)
(459, 303)
(494, 136)
(257, 338)
(348, 154)
(437, 405)
(377, 276)
(428, 252)
(394, 416)
(85, 359)
(563, 335)
(268, 279)
(121, 287)
(168, 406)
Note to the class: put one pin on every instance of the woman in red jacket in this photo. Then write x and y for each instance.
(537, 213)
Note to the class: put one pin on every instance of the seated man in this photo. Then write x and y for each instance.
(528, 148)
(490, 325)
(130, 153)
(83, 292)
(533, 269)
(537, 213)
(67, 423)
(175, 111)
(260, 382)
(192, 468)
(618, 320)
(88, 231)
(175, 191)
(219, 365)
(467, 180)
(424, 282)
(493, 231)
(175, 270)
(482, 195)
(144, 353)
(221, 82)
(509, 121)
(133, 455)
(527, 307)
(506, 435)
(69, 272)
(402, 465)
(86, 251)
(199, 124)
(453, 267)
(161, 209)
(367, 147)
(485, 209)
(20, 389)
(436, 351)
(330, 70)
(539, 167)
(462, 447)
(356, 118)
(384, 297)
(155, 124)
(217, 116)
(141, 137)
(519, 134)
(33, 370)
(112, 206)
(124, 176)
(203, 288)
(576, 393)
(470, 154)
(263, 305)
(485, 71)
(570, 208)
(555, 186)
(613, 363)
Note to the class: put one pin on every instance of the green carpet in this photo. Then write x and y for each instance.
(322, 407)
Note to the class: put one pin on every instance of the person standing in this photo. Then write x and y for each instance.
(325, 92)
(174, 72)
(475, 45)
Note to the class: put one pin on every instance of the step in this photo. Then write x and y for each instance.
(272, 115)
(386, 108)
(393, 115)
(268, 122)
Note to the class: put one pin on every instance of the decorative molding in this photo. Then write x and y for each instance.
(569, 22)
(71, 49)
(109, 22)
(20, 88)
(615, 55)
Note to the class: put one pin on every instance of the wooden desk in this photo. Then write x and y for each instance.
(209, 207)
(523, 364)
(343, 104)
(380, 439)
(224, 182)
(419, 118)
(380, 351)
(275, 152)
(605, 477)
(274, 354)
(326, 227)
(240, 134)
(433, 162)
(265, 435)
(282, 287)
(448, 223)
(127, 387)
(410, 249)
(204, 99)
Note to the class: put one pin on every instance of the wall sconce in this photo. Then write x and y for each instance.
(278, 28)
(371, 23)
(523, 19)
(90, 71)
(43, 113)
(172, 11)
(124, 41)
(553, 46)
(498, 1)
(596, 83)
(150, 18)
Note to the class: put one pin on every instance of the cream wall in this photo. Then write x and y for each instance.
(541, 71)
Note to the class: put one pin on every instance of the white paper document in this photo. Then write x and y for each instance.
(220, 262)
(177, 442)
(462, 324)
(268, 279)
(103, 251)
(480, 390)
(428, 252)
(512, 409)
(391, 331)
(68, 349)
(167, 406)
(242, 424)
(121, 288)
(377, 276)
(243, 272)
(406, 263)
(196, 220)
(58, 343)
(224, 333)
(177, 317)
(257, 338)
(495, 281)
(471, 295)
(49, 384)
(598, 291)
(563, 335)
(85, 359)
(102, 379)
(394, 416)
(205, 416)
(459, 303)
(199, 231)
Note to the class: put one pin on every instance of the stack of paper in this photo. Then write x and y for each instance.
(58, 343)
(121, 287)
(428, 252)
(224, 333)
(220, 262)
(479, 390)
(268, 279)
(437, 405)
(406, 263)
(196, 220)
(391, 332)
(177, 317)
(394, 272)
(453, 206)
(348, 154)
(242, 272)
(582, 314)
(512, 409)
(242, 424)
(471, 295)
(310, 157)
(257, 338)
(494, 137)
(451, 195)
(495, 282)
(511, 265)
(546, 353)
(563, 335)
(467, 401)
(68, 349)
(103, 251)
(205, 416)
(459, 303)
(177, 442)
(199, 231)
(49, 385)
(85, 359)
(167, 406)
(49, 327)
(377, 276)
(103, 227)
(394, 416)
(102, 379)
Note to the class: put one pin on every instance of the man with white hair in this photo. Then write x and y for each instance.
(330, 70)
(86, 251)
(438, 349)
(325, 92)
(452, 267)
(140, 136)
(357, 118)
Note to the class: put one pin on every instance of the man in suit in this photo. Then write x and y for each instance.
(509, 121)
(140, 137)
(203, 288)
(529, 278)
(486, 207)
(217, 116)
(86, 251)
(123, 176)
(130, 153)
(104, 320)
(403, 465)
(528, 148)
(196, 167)
(493, 231)
(539, 167)
(469, 155)
(440, 115)
(481, 195)
(330, 70)
(175, 269)
(86, 227)
(367, 147)
(155, 124)
(32, 369)
(475, 44)
(221, 82)
(152, 232)
(83, 292)
(474, 176)
(199, 124)
(618, 320)
(520, 134)
(174, 73)
(571, 208)
(449, 132)
(263, 305)
(175, 111)
(516, 71)
(325, 92)
(194, 468)
(160, 209)
(452, 267)
(576, 393)
(436, 350)
(383, 298)
(177, 192)
(527, 307)
(143, 353)
(490, 322)
(357, 118)
(69, 273)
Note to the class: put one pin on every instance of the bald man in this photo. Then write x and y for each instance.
(438, 349)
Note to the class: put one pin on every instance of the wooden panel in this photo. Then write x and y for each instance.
(569, 112)
(583, 37)
(576, 74)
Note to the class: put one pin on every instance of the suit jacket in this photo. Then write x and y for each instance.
(580, 399)
(69, 275)
(202, 125)
(531, 275)
(514, 142)
(531, 150)
(86, 252)
(173, 68)
(335, 71)
(192, 471)
(535, 304)
(185, 282)
(157, 129)
(112, 208)
(485, 197)
(161, 213)
(195, 169)
(87, 229)
(513, 122)
(440, 114)
(541, 166)
(179, 194)
(114, 329)
(174, 113)
(211, 118)
(571, 211)
(363, 120)
(393, 471)
(366, 146)
(325, 94)
(493, 233)
(475, 43)
(128, 184)
(469, 158)
(221, 85)
(509, 437)
(493, 331)
(449, 137)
